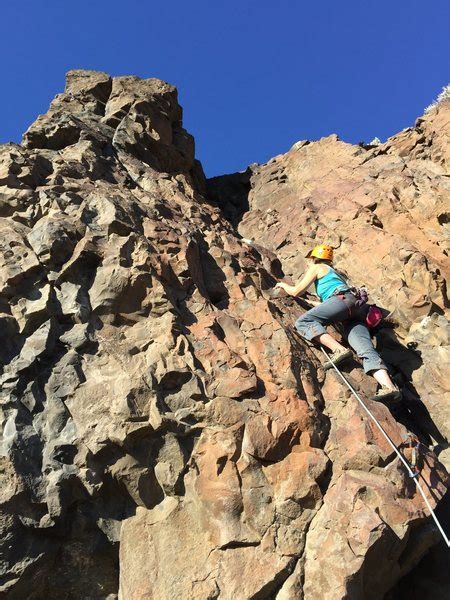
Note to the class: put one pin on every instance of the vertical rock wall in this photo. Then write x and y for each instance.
(164, 430)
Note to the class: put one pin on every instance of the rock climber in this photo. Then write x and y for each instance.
(339, 304)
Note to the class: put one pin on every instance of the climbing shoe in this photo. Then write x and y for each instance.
(388, 395)
(337, 357)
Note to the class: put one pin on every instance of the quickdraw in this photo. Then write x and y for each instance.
(412, 444)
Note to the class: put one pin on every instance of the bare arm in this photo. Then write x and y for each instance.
(303, 284)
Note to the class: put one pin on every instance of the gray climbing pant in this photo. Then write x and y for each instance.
(335, 310)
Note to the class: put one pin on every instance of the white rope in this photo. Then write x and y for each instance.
(393, 446)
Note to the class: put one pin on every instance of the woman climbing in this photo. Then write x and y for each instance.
(339, 304)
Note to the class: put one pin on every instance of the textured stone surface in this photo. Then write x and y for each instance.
(385, 210)
(165, 433)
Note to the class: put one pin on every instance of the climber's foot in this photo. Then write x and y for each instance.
(388, 395)
(338, 356)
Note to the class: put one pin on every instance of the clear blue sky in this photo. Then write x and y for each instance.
(253, 76)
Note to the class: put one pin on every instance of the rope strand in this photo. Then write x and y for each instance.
(394, 447)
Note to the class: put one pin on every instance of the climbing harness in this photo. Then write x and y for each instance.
(355, 298)
(412, 472)
(361, 296)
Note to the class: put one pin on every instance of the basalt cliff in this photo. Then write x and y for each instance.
(166, 434)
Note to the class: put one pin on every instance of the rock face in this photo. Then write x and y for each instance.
(165, 432)
(385, 209)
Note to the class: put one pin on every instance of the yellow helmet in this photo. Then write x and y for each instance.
(322, 251)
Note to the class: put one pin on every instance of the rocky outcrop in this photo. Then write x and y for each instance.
(166, 434)
(384, 208)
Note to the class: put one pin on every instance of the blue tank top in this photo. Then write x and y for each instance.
(328, 284)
